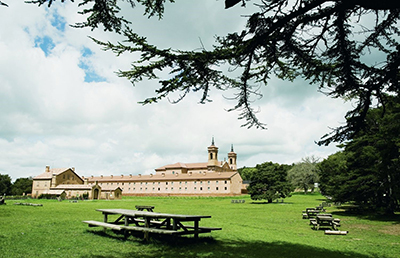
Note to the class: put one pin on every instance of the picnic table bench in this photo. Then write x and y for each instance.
(151, 222)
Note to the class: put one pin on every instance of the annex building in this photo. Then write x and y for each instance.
(211, 178)
(65, 183)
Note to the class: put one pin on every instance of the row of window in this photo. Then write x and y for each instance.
(158, 189)
(159, 183)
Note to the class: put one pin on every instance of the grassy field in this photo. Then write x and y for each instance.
(249, 229)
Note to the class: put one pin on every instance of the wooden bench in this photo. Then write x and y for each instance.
(313, 223)
(152, 230)
(93, 223)
(158, 223)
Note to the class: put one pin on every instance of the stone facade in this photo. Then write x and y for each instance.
(211, 178)
(62, 182)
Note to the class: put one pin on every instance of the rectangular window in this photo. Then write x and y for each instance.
(216, 188)
(226, 182)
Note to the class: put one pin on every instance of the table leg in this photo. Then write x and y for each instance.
(196, 228)
(147, 225)
(126, 223)
(174, 224)
(105, 219)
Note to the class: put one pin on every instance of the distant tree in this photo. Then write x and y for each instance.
(332, 174)
(246, 172)
(5, 184)
(269, 182)
(304, 174)
(21, 186)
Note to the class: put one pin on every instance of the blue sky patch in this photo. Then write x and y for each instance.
(58, 22)
(85, 64)
(45, 43)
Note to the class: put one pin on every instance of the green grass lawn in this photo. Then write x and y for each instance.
(249, 229)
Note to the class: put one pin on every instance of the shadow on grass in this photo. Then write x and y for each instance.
(271, 203)
(394, 218)
(167, 246)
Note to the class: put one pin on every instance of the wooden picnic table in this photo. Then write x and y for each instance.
(144, 208)
(152, 222)
(325, 220)
(310, 212)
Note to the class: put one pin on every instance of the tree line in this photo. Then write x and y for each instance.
(21, 186)
(366, 172)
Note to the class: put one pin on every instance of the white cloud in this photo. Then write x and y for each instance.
(51, 116)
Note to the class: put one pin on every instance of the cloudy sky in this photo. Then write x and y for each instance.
(62, 104)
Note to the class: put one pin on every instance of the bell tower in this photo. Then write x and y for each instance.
(212, 156)
(232, 157)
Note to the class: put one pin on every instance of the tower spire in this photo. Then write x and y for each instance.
(232, 148)
(212, 141)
